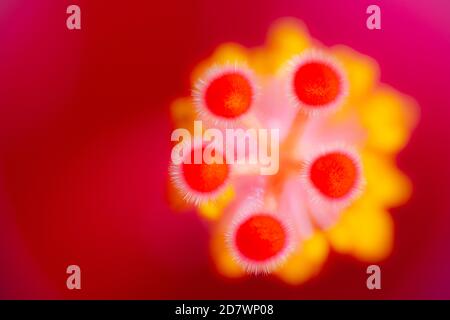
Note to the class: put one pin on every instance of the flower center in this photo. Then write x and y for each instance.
(316, 84)
(260, 237)
(229, 96)
(334, 174)
(203, 177)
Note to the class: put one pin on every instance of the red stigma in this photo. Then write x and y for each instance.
(229, 95)
(316, 84)
(334, 174)
(260, 237)
(203, 177)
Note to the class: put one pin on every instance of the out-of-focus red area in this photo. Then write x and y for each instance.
(85, 143)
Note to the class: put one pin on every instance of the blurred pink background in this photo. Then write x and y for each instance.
(84, 145)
